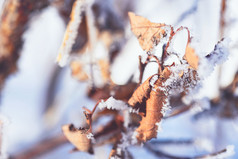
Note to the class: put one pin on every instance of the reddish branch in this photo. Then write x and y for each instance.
(222, 18)
(169, 156)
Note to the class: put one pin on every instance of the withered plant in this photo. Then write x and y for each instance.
(138, 107)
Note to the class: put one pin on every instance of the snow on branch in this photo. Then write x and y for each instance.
(112, 103)
(216, 57)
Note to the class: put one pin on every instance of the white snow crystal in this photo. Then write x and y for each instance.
(153, 80)
(132, 110)
(165, 107)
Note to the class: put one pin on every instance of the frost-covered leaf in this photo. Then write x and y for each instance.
(151, 101)
(71, 32)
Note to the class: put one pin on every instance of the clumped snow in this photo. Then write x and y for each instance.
(181, 77)
(216, 57)
(112, 103)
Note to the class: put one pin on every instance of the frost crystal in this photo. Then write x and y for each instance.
(179, 79)
(165, 107)
(90, 136)
(153, 80)
(159, 124)
(132, 110)
(71, 33)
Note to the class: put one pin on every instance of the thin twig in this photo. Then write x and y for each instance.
(226, 152)
(142, 68)
(179, 111)
(222, 18)
(188, 12)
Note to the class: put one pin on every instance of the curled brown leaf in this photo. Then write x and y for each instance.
(80, 138)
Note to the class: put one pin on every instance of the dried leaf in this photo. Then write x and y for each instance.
(149, 34)
(80, 138)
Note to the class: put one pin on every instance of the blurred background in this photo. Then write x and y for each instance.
(40, 96)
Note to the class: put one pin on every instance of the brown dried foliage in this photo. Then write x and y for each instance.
(148, 33)
(14, 20)
(81, 138)
(152, 96)
(151, 99)
(78, 137)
